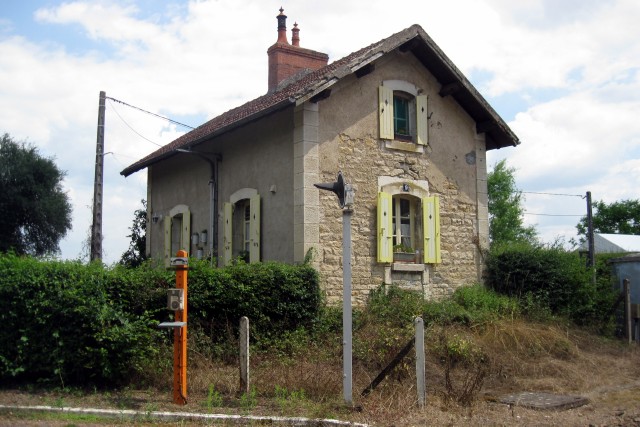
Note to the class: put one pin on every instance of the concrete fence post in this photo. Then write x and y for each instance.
(420, 362)
(244, 355)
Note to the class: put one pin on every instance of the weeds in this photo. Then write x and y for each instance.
(214, 398)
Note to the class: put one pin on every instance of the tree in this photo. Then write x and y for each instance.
(35, 213)
(505, 208)
(137, 252)
(621, 217)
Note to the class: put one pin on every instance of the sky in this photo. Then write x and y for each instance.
(564, 74)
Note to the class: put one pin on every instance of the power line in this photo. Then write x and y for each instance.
(129, 126)
(149, 112)
(554, 194)
(541, 214)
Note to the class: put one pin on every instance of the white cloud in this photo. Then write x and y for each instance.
(202, 58)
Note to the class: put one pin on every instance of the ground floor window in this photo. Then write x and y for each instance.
(408, 228)
(177, 232)
(241, 231)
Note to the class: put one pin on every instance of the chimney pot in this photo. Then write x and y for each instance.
(295, 35)
(282, 27)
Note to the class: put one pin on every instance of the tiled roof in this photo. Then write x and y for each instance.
(315, 82)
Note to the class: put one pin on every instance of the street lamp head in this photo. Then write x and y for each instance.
(341, 189)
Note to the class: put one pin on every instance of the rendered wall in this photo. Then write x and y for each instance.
(258, 156)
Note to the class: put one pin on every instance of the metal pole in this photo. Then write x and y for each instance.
(96, 227)
(180, 338)
(626, 289)
(346, 307)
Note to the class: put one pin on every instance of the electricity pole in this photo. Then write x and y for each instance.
(96, 227)
(591, 260)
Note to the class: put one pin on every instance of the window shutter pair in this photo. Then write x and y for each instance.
(430, 225)
(385, 112)
(254, 231)
(185, 235)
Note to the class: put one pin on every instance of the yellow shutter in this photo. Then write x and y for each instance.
(422, 119)
(167, 240)
(431, 226)
(385, 111)
(185, 237)
(254, 229)
(385, 227)
(227, 233)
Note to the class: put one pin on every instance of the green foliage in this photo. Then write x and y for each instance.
(505, 208)
(75, 323)
(214, 398)
(548, 278)
(275, 297)
(621, 217)
(64, 328)
(136, 254)
(35, 212)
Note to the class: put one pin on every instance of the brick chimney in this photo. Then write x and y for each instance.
(286, 60)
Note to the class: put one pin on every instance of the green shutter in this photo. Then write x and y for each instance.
(167, 241)
(227, 233)
(422, 119)
(431, 226)
(385, 111)
(385, 227)
(254, 229)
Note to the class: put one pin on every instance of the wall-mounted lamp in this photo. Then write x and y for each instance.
(203, 237)
(195, 239)
(156, 217)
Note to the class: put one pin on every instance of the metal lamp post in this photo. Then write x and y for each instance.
(345, 195)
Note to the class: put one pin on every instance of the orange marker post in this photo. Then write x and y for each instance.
(180, 339)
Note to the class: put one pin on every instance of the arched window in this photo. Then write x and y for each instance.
(403, 112)
(177, 232)
(241, 231)
(408, 225)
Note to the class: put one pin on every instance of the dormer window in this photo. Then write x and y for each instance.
(403, 112)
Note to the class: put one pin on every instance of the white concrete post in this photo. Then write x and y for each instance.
(244, 354)
(420, 362)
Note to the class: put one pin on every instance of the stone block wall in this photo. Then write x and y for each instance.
(362, 161)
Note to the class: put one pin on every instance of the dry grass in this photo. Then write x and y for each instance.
(518, 356)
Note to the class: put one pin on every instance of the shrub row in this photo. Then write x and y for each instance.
(71, 323)
(551, 279)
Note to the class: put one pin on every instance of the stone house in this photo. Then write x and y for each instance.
(406, 128)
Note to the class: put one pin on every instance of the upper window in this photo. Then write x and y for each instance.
(403, 112)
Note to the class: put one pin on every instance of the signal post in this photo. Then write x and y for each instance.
(177, 301)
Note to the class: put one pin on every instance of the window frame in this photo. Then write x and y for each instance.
(426, 209)
(417, 114)
(251, 198)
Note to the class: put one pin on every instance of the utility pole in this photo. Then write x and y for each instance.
(591, 260)
(96, 227)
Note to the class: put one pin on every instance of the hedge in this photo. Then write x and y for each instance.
(68, 322)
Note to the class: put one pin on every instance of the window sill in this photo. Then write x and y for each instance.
(404, 146)
(401, 266)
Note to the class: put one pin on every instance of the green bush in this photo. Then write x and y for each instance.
(276, 297)
(547, 278)
(70, 323)
(59, 325)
